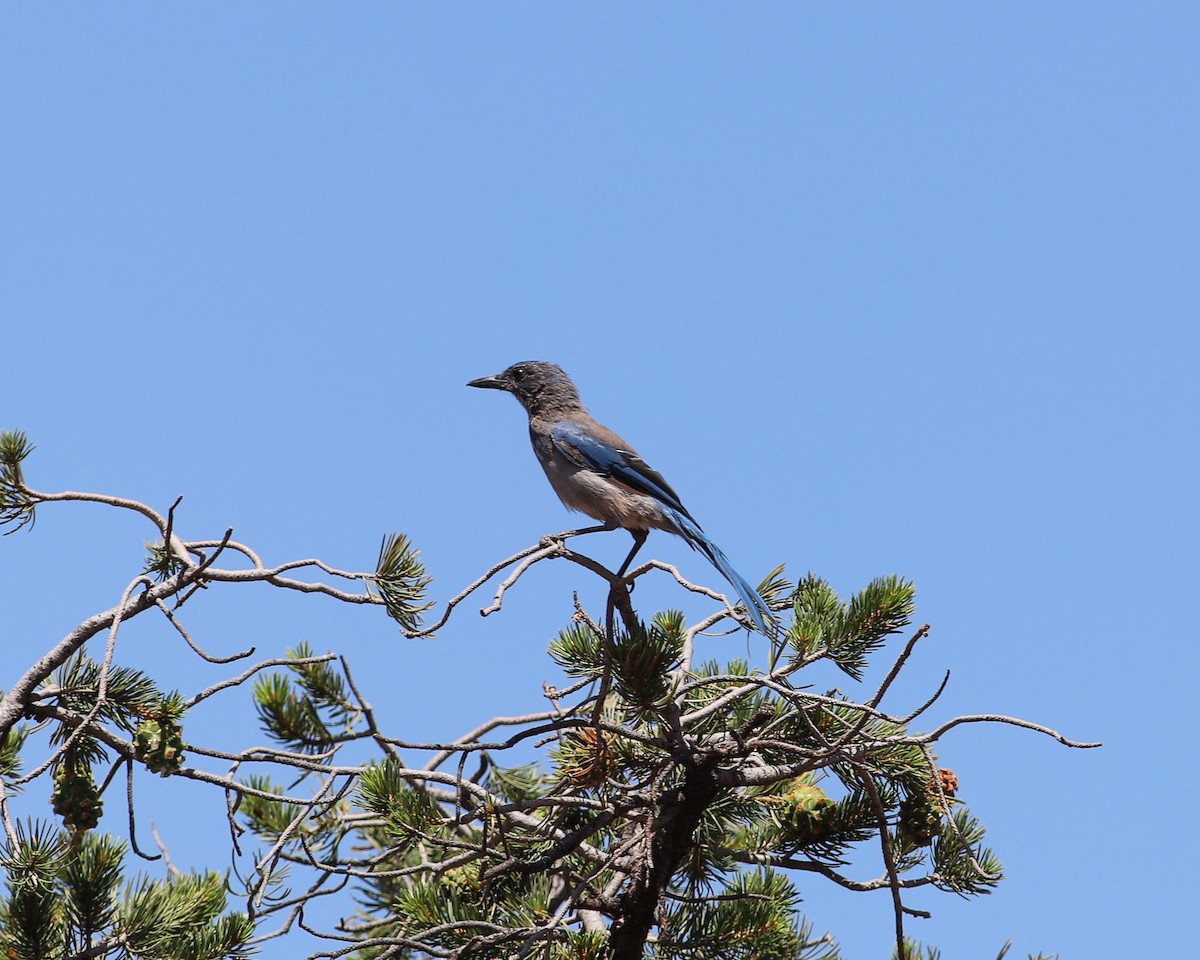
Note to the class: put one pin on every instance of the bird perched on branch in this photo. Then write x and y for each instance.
(595, 472)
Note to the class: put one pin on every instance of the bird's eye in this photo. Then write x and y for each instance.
(519, 373)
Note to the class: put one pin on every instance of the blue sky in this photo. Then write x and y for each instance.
(880, 288)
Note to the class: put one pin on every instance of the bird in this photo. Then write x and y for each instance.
(597, 473)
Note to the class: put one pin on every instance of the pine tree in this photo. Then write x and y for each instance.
(67, 898)
(676, 808)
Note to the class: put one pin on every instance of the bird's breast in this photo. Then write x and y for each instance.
(601, 497)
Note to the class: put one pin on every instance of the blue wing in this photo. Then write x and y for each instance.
(604, 452)
(612, 458)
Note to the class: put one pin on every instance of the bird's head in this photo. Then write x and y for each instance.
(538, 385)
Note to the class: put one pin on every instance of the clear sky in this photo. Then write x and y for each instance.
(880, 289)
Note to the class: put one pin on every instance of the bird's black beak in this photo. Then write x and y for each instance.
(493, 383)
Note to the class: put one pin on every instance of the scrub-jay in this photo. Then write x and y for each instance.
(596, 472)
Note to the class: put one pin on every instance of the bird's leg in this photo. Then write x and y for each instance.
(615, 599)
(620, 600)
(627, 614)
(639, 538)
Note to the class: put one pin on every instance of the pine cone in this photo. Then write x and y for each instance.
(75, 797)
(920, 818)
(807, 812)
(159, 745)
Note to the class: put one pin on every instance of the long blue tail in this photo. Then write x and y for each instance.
(697, 539)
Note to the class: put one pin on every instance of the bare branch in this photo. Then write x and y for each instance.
(939, 732)
(171, 618)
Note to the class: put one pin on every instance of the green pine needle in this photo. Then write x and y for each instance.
(16, 506)
(752, 918)
(161, 563)
(129, 695)
(579, 650)
(410, 813)
(402, 581)
(64, 898)
(268, 818)
(847, 634)
(290, 718)
(775, 586)
(34, 924)
(962, 864)
(91, 878)
(642, 660)
(179, 919)
(516, 784)
(11, 744)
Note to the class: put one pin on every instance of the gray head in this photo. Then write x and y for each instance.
(540, 387)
